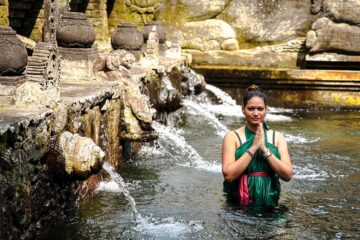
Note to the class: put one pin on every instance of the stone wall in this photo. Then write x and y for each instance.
(34, 188)
(26, 17)
(4, 13)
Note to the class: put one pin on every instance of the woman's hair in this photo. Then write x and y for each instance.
(253, 91)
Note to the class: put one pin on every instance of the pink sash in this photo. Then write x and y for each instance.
(243, 186)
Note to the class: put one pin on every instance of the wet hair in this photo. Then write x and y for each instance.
(253, 91)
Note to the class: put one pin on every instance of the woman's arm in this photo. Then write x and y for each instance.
(232, 169)
(283, 166)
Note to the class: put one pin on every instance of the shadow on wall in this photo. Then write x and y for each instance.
(109, 6)
(23, 17)
(75, 6)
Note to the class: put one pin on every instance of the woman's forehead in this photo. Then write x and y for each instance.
(256, 101)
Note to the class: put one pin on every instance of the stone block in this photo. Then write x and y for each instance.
(17, 14)
(15, 23)
(4, 12)
(20, 5)
(4, 22)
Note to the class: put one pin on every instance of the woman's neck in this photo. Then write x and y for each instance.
(252, 128)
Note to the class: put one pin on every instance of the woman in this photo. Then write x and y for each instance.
(254, 157)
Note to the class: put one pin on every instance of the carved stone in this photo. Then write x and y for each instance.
(44, 65)
(146, 8)
(127, 37)
(161, 31)
(13, 57)
(346, 11)
(329, 36)
(75, 31)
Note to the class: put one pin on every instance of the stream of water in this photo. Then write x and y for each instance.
(176, 182)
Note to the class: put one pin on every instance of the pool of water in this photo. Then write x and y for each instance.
(179, 194)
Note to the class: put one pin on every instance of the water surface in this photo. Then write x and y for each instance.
(179, 196)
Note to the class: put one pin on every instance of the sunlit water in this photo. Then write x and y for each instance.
(177, 184)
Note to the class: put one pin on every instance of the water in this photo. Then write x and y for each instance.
(121, 185)
(177, 185)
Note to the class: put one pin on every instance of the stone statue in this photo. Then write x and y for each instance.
(338, 30)
(144, 7)
(329, 36)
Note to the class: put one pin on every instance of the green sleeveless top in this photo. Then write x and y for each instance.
(263, 190)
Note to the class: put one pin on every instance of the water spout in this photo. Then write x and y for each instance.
(120, 181)
(221, 129)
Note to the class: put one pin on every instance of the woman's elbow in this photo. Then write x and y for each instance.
(228, 177)
(287, 176)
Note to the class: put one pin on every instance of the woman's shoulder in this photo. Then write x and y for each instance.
(275, 136)
(237, 135)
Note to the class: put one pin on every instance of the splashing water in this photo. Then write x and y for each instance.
(230, 108)
(221, 129)
(120, 182)
(169, 139)
(167, 228)
(223, 96)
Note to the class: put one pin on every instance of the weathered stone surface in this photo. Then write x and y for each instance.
(31, 94)
(211, 34)
(119, 58)
(329, 36)
(81, 154)
(14, 56)
(342, 10)
(126, 36)
(203, 9)
(74, 30)
(263, 21)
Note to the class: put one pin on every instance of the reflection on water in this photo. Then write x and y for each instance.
(322, 201)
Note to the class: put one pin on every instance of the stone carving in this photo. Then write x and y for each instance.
(13, 58)
(44, 65)
(127, 37)
(144, 7)
(174, 50)
(114, 66)
(161, 31)
(81, 155)
(51, 15)
(211, 34)
(152, 49)
(329, 36)
(265, 21)
(346, 11)
(75, 31)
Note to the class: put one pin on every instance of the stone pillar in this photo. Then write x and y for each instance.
(4, 13)
(97, 15)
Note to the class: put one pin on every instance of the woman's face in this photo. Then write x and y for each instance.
(254, 111)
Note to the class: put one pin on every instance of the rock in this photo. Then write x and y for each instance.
(342, 11)
(31, 94)
(81, 154)
(329, 36)
(119, 58)
(192, 10)
(264, 21)
(60, 118)
(211, 34)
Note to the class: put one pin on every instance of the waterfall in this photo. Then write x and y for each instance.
(223, 96)
(230, 108)
(169, 140)
(120, 182)
(221, 129)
